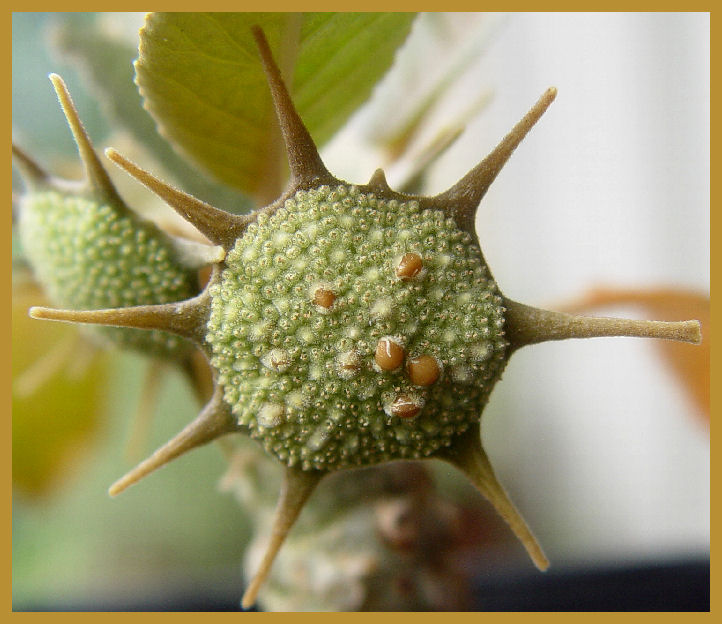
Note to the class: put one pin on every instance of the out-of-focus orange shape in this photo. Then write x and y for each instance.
(690, 363)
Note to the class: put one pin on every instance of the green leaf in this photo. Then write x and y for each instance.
(203, 82)
(106, 62)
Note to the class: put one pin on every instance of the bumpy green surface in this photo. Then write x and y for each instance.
(283, 361)
(89, 255)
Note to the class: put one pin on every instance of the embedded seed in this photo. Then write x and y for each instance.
(423, 370)
(409, 266)
(389, 354)
(349, 360)
(405, 407)
(324, 297)
(349, 364)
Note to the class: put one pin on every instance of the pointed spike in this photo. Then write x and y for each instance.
(220, 227)
(297, 486)
(378, 181)
(214, 421)
(307, 168)
(97, 175)
(469, 456)
(466, 194)
(186, 318)
(32, 173)
(527, 325)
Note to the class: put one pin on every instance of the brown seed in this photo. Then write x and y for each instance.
(324, 297)
(409, 266)
(423, 370)
(405, 407)
(389, 354)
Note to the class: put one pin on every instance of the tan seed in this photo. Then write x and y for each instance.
(409, 266)
(389, 354)
(423, 370)
(324, 297)
(405, 407)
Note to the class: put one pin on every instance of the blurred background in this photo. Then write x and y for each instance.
(602, 444)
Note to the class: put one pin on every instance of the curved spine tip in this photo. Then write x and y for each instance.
(462, 199)
(97, 176)
(296, 487)
(186, 318)
(214, 421)
(469, 456)
(307, 168)
(219, 226)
